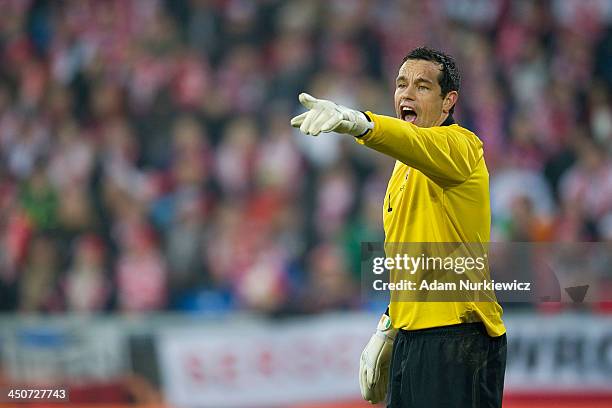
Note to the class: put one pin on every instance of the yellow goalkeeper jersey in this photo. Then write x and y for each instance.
(438, 192)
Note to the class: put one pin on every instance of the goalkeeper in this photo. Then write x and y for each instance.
(426, 354)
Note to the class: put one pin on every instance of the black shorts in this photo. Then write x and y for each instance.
(458, 366)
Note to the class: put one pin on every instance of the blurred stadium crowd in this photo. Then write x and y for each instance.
(147, 162)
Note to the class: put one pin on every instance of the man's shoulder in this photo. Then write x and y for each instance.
(468, 134)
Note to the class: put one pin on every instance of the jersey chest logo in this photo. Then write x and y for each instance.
(403, 186)
(401, 189)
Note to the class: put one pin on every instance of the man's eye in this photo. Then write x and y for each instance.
(423, 88)
(401, 85)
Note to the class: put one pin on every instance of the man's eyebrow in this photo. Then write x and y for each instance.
(418, 80)
(424, 80)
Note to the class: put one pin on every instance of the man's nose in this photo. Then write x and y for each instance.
(408, 93)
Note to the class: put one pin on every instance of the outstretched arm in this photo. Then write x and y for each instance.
(446, 154)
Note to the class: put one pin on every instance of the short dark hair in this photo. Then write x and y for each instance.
(449, 78)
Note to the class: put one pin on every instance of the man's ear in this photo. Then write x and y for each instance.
(449, 101)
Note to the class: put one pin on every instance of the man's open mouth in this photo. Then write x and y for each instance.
(408, 114)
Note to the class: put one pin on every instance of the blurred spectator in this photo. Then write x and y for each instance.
(587, 186)
(38, 284)
(184, 240)
(525, 225)
(87, 287)
(335, 198)
(141, 272)
(329, 284)
(236, 157)
(39, 199)
(510, 186)
(278, 162)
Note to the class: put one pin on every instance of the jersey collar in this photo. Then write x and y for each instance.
(449, 121)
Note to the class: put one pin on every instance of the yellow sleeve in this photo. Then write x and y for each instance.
(446, 154)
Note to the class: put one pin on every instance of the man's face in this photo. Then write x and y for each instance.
(418, 96)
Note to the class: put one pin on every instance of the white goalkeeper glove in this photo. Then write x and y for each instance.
(375, 362)
(327, 116)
